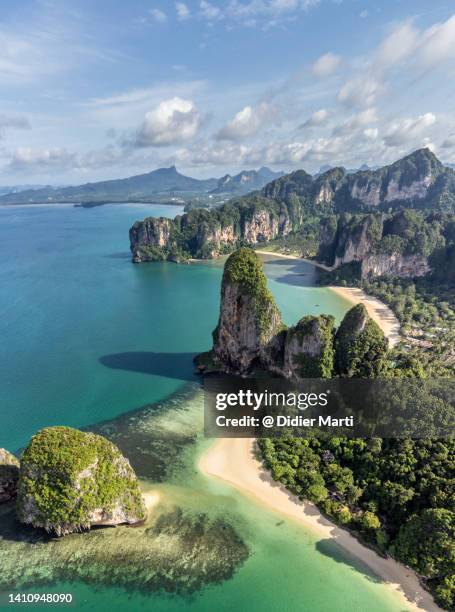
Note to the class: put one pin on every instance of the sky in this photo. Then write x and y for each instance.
(107, 89)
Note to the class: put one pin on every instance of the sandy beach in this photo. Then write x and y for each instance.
(284, 256)
(232, 460)
(377, 310)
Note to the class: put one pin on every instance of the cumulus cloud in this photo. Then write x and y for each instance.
(247, 122)
(317, 119)
(183, 12)
(326, 65)
(171, 122)
(158, 15)
(408, 130)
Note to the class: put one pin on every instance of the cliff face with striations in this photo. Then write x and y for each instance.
(70, 481)
(339, 217)
(249, 318)
(384, 245)
(205, 234)
(250, 334)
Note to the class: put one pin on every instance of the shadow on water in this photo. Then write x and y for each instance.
(169, 365)
(297, 273)
(124, 255)
(327, 548)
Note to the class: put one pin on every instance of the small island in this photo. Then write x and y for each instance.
(70, 480)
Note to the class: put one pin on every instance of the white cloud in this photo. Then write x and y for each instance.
(183, 12)
(356, 121)
(371, 133)
(438, 44)
(25, 158)
(317, 119)
(210, 11)
(247, 122)
(263, 13)
(397, 46)
(408, 130)
(158, 15)
(326, 65)
(360, 91)
(171, 122)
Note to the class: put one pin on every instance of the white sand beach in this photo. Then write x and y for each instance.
(232, 460)
(377, 310)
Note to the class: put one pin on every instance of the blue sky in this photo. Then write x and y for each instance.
(94, 90)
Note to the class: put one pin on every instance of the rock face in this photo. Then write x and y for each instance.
(395, 264)
(383, 246)
(308, 348)
(70, 481)
(205, 234)
(249, 318)
(149, 237)
(246, 181)
(250, 334)
(9, 475)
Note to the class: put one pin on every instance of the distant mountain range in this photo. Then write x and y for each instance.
(142, 187)
(246, 181)
(18, 188)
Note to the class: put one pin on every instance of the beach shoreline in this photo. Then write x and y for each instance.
(378, 311)
(233, 461)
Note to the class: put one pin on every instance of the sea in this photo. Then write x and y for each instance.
(89, 338)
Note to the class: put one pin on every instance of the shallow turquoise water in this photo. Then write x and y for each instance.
(86, 336)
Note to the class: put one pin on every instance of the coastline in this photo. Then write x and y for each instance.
(232, 460)
(284, 256)
(378, 311)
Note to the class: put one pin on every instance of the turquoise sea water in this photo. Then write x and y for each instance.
(87, 336)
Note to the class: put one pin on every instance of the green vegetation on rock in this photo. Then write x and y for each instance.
(70, 479)
(360, 346)
(310, 344)
(245, 269)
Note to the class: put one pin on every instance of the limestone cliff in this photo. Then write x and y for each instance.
(394, 264)
(70, 481)
(293, 204)
(308, 348)
(250, 334)
(246, 335)
(9, 475)
(205, 234)
(384, 245)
